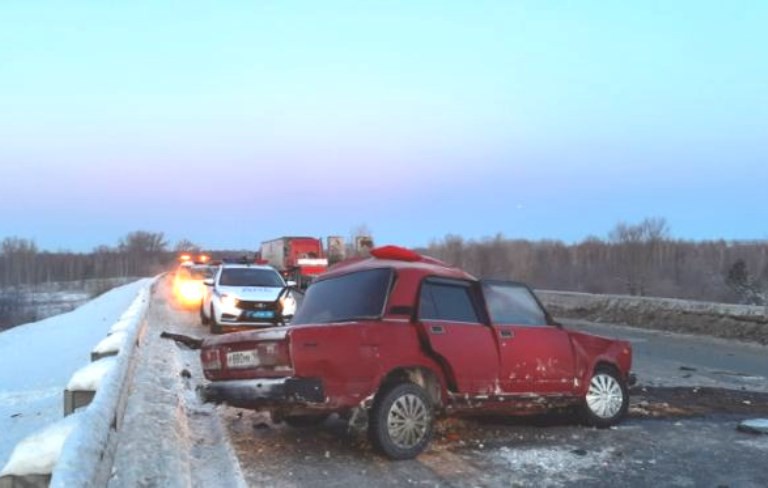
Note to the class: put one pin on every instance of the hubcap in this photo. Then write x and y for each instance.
(407, 421)
(605, 396)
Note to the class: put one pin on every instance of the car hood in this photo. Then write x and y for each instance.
(252, 293)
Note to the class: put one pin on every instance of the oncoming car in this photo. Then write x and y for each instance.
(188, 284)
(397, 339)
(244, 296)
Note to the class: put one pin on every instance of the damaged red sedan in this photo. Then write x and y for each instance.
(394, 340)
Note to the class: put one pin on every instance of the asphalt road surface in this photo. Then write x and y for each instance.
(681, 430)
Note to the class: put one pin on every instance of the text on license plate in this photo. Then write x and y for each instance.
(242, 359)
(259, 314)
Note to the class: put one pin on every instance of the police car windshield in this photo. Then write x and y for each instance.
(250, 277)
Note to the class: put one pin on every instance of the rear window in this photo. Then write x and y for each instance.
(354, 296)
(250, 277)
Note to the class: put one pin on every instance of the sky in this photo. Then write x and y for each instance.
(231, 123)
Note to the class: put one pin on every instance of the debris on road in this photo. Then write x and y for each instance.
(661, 402)
(184, 340)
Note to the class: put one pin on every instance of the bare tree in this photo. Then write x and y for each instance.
(185, 245)
(638, 248)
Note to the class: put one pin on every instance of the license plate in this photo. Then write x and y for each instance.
(242, 359)
(259, 314)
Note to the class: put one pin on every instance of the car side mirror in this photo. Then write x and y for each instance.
(208, 282)
(290, 283)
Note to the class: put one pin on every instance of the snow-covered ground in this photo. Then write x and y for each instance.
(38, 359)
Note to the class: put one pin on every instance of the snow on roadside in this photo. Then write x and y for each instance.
(37, 360)
(38, 453)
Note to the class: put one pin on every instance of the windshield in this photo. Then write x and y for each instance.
(359, 295)
(200, 272)
(250, 277)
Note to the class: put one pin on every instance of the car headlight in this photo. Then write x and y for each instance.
(228, 301)
(289, 305)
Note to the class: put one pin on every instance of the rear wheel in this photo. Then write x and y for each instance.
(607, 398)
(215, 327)
(401, 421)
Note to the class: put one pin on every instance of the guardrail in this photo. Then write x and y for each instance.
(79, 449)
(728, 321)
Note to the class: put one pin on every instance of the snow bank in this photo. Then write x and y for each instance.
(727, 321)
(37, 454)
(122, 324)
(38, 359)
(112, 343)
(89, 377)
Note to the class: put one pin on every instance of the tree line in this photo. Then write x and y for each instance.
(139, 253)
(634, 259)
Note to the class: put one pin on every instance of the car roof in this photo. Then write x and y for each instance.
(399, 259)
(247, 266)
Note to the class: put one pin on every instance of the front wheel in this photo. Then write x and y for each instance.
(401, 421)
(607, 398)
(203, 319)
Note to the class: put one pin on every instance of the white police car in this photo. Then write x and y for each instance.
(246, 295)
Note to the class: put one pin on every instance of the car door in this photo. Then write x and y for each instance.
(536, 355)
(450, 316)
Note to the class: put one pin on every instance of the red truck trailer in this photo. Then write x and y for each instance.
(299, 259)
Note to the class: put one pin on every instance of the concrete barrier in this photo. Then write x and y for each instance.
(83, 385)
(110, 345)
(88, 453)
(743, 322)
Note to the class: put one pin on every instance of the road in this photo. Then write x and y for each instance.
(670, 359)
(681, 430)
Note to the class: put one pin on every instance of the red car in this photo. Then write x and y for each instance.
(399, 338)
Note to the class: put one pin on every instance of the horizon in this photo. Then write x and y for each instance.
(606, 239)
(232, 125)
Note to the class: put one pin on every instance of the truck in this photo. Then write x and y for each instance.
(298, 259)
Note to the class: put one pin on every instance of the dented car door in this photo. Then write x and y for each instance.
(452, 323)
(536, 355)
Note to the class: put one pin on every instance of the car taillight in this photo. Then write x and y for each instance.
(211, 359)
(274, 354)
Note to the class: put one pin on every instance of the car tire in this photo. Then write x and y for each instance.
(304, 421)
(607, 398)
(203, 319)
(401, 421)
(215, 327)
